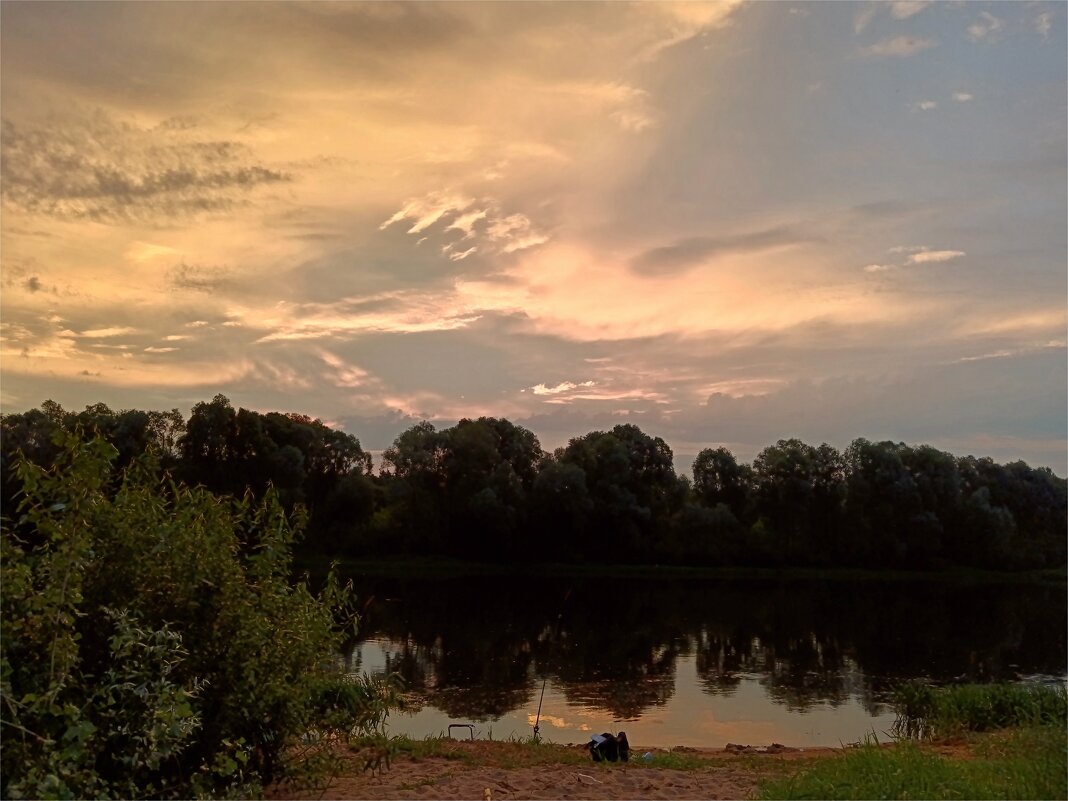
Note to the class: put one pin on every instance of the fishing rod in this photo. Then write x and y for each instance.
(545, 681)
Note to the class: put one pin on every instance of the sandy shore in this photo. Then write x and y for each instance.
(483, 770)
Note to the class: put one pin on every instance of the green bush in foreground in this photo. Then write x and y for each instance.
(926, 711)
(1027, 763)
(152, 643)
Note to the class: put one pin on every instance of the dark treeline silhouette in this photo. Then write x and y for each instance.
(485, 490)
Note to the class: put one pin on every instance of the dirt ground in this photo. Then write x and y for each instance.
(490, 771)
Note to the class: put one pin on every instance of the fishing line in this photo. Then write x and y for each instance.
(552, 643)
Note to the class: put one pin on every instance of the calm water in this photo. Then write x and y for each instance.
(699, 662)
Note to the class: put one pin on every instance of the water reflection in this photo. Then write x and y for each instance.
(478, 649)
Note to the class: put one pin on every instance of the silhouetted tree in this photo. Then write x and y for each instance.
(799, 492)
(633, 489)
(718, 478)
(484, 489)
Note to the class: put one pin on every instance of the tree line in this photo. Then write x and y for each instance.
(485, 490)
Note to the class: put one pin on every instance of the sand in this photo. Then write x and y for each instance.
(489, 771)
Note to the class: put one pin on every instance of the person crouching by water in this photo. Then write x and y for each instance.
(608, 747)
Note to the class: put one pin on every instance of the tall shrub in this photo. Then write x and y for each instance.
(152, 643)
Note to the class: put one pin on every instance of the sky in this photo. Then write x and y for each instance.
(727, 223)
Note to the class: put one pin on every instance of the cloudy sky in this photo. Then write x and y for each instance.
(727, 223)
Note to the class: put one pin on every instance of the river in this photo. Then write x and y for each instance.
(693, 661)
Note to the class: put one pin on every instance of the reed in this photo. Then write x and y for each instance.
(929, 712)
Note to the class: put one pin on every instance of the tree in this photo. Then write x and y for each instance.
(466, 487)
(991, 531)
(207, 447)
(718, 478)
(632, 487)
(413, 467)
(899, 501)
(1035, 501)
(131, 432)
(490, 467)
(303, 459)
(167, 429)
(560, 506)
(30, 435)
(702, 535)
(799, 496)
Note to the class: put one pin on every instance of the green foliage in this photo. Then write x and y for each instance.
(1029, 763)
(926, 711)
(153, 644)
(344, 708)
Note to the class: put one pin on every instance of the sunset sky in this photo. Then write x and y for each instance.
(726, 223)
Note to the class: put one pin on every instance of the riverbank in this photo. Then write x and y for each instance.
(1013, 763)
(447, 769)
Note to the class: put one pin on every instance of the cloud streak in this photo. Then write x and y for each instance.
(102, 170)
(488, 227)
(916, 255)
(935, 256)
(689, 253)
(899, 47)
(199, 278)
(563, 386)
(903, 9)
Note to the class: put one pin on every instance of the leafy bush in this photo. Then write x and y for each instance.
(153, 644)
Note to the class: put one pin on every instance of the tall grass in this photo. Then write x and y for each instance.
(1024, 763)
(932, 712)
(1028, 759)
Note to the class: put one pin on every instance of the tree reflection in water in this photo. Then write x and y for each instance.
(479, 648)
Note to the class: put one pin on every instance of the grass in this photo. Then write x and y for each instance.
(1020, 763)
(1025, 757)
(934, 712)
